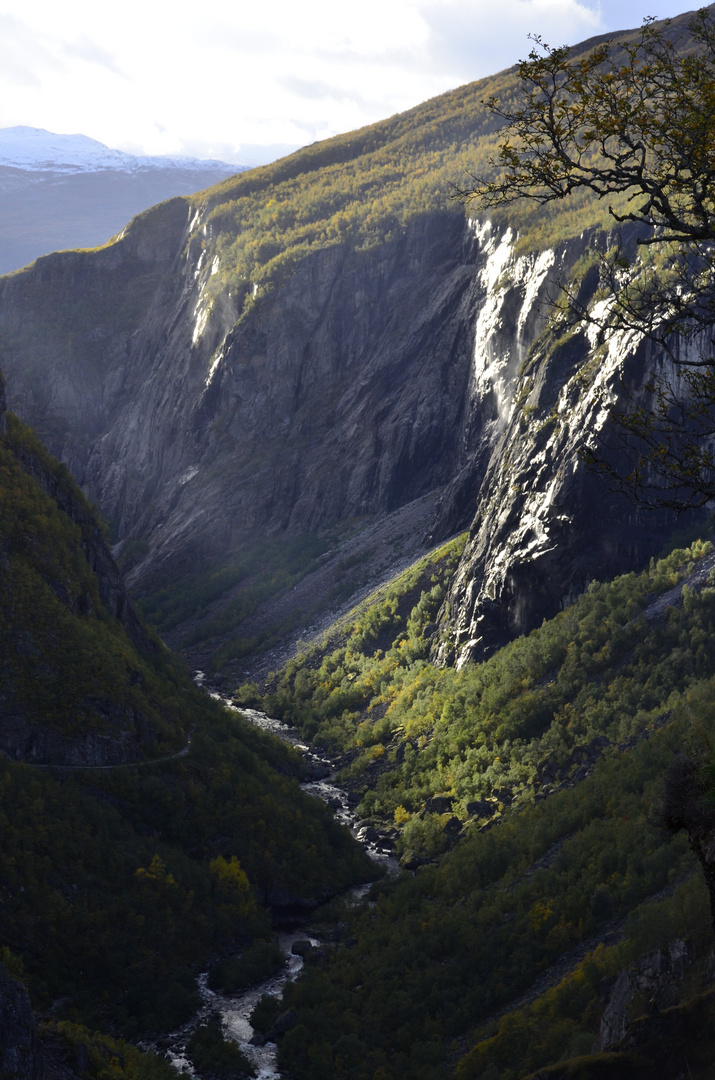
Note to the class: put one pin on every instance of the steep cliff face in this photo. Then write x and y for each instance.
(321, 343)
(203, 423)
(67, 326)
(545, 524)
(343, 394)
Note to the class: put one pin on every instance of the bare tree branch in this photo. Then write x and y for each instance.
(631, 121)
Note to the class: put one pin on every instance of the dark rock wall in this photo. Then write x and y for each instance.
(342, 393)
(20, 1054)
(67, 326)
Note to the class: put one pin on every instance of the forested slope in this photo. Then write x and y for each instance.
(525, 795)
(146, 831)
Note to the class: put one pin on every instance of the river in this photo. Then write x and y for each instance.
(235, 1010)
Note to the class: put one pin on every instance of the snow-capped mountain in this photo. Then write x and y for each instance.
(37, 150)
(70, 191)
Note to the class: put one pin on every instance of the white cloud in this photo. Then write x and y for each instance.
(468, 38)
(150, 78)
(22, 54)
(85, 49)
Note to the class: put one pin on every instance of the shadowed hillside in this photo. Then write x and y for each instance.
(147, 832)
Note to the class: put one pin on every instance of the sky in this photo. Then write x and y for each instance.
(246, 80)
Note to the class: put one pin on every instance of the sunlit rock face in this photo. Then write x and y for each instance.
(545, 524)
(364, 380)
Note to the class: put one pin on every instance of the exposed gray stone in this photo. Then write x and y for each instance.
(20, 1055)
(362, 383)
(284, 1023)
(657, 976)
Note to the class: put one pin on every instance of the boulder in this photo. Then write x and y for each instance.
(656, 977)
(452, 827)
(284, 1023)
(411, 861)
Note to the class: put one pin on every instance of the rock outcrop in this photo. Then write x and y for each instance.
(656, 977)
(20, 1053)
(545, 524)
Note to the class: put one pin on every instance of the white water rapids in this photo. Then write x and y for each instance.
(235, 1010)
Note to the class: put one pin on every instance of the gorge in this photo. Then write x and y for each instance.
(361, 383)
(334, 425)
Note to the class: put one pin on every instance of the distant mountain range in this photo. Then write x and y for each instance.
(36, 150)
(70, 191)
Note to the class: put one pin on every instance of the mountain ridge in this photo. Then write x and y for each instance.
(320, 341)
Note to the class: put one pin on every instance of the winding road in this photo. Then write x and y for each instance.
(121, 765)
